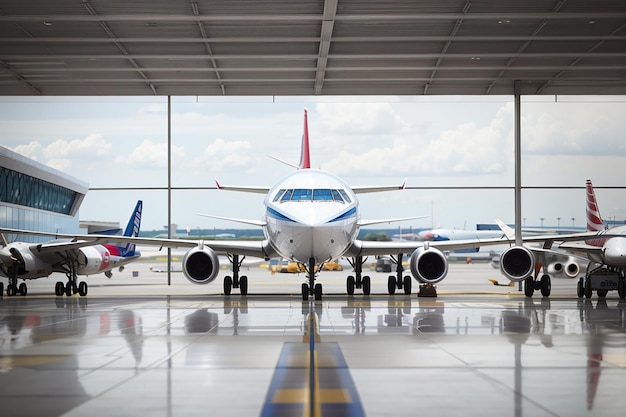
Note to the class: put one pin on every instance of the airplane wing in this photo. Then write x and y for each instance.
(380, 221)
(370, 248)
(257, 190)
(378, 188)
(232, 219)
(256, 248)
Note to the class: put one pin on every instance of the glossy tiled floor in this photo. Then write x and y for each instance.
(486, 353)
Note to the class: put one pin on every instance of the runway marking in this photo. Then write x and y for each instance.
(312, 379)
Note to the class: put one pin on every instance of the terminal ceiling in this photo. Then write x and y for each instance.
(311, 47)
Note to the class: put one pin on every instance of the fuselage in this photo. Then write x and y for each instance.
(613, 249)
(311, 214)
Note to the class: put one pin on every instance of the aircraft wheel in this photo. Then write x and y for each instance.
(366, 285)
(59, 288)
(602, 293)
(588, 290)
(10, 290)
(23, 289)
(580, 288)
(68, 289)
(1, 289)
(546, 285)
(228, 284)
(529, 286)
(407, 284)
(350, 285)
(391, 285)
(305, 291)
(243, 285)
(318, 292)
(83, 288)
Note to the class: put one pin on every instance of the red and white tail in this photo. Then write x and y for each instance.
(305, 159)
(594, 220)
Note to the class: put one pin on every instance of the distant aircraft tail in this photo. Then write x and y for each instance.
(132, 230)
(594, 219)
(305, 159)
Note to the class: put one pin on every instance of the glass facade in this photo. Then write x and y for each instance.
(24, 190)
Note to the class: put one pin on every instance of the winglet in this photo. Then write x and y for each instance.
(403, 186)
(305, 159)
(509, 232)
(594, 220)
(217, 184)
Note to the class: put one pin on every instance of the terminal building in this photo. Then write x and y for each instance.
(34, 196)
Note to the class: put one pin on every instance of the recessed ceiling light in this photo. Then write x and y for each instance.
(591, 22)
(151, 24)
(45, 23)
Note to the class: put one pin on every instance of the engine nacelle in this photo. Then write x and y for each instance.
(28, 265)
(570, 269)
(517, 263)
(201, 265)
(428, 266)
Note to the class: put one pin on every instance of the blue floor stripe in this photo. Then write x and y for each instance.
(310, 380)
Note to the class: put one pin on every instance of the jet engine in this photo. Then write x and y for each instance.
(428, 265)
(25, 264)
(570, 269)
(517, 263)
(201, 265)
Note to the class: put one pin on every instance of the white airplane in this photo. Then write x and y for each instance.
(22, 260)
(607, 268)
(606, 254)
(311, 217)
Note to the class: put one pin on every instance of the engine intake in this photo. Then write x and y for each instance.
(201, 265)
(428, 266)
(517, 263)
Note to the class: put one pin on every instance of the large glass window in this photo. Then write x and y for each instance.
(23, 190)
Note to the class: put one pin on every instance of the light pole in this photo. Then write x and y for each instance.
(541, 218)
(558, 222)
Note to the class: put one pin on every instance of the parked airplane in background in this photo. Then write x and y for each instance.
(606, 254)
(607, 269)
(312, 216)
(22, 260)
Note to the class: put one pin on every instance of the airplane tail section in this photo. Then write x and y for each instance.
(132, 230)
(594, 220)
(305, 158)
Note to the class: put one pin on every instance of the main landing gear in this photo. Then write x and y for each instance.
(397, 281)
(236, 281)
(12, 287)
(72, 286)
(532, 283)
(310, 288)
(358, 281)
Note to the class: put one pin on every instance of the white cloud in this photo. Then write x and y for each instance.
(151, 155)
(467, 149)
(32, 150)
(223, 155)
(92, 145)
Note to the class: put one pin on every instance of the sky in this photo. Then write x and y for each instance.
(445, 141)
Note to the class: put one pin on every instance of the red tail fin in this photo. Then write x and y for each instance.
(594, 220)
(305, 160)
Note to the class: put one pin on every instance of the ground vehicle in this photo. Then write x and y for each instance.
(384, 264)
(602, 280)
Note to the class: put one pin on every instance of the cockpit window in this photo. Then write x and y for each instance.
(322, 194)
(307, 194)
(345, 196)
(302, 194)
(287, 195)
(279, 195)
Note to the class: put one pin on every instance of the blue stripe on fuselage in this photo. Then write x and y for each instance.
(347, 214)
(275, 214)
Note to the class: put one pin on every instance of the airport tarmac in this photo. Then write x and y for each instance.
(136, 346)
